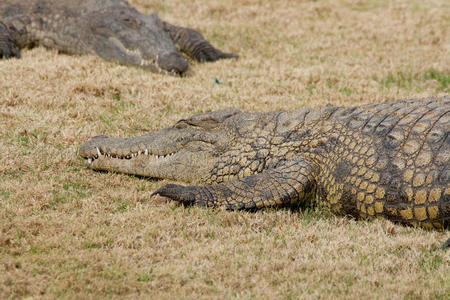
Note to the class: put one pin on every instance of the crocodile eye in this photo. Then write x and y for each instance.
(132, 22)
(181, 124)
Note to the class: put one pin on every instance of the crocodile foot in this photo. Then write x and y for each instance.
(193, 43)
(210, 54)
(201, 50)
(175, 192)
(179, 193)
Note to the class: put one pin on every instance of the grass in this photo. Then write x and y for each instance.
(69, 232)
(411, 81)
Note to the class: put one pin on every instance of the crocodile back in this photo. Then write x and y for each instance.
(388, 160)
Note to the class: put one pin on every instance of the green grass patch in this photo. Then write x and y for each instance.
(346, 91)
(5, 195)
(414, 81)
(430, 261)
(442, 78)
(145, 277)
(92, 245)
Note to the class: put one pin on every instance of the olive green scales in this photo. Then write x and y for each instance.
(388, 160)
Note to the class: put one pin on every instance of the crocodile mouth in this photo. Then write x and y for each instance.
(152, 63)
(176, 164)
(140, 154)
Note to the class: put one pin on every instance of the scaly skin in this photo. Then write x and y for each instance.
(112, 29)
(388, 160)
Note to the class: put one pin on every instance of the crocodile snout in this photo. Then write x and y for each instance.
(89, 149)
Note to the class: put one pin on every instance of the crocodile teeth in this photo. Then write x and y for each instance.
(146, 63)
(128, 156)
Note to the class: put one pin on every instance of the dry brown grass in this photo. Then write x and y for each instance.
(68, 231)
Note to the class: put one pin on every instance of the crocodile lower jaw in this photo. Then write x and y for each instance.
(153, 65)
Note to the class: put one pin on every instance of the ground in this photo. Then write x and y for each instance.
(67, 231)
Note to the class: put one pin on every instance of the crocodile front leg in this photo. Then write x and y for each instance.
(194, 44)
(8, 47)
(287, 184)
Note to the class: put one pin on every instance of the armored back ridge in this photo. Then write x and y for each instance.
(112, 29)
(388, 160)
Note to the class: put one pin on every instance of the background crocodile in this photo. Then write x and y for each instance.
(112, 29)
(388, 160)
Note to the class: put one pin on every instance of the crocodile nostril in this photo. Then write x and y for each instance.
(173, 62)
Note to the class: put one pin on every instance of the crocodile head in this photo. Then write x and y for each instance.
(130, 38)
(187, 151)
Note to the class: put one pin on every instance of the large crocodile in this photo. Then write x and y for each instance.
(388, 160)
(112, 29)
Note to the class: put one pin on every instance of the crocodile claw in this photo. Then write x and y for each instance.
(183, 194)
(187, 195)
